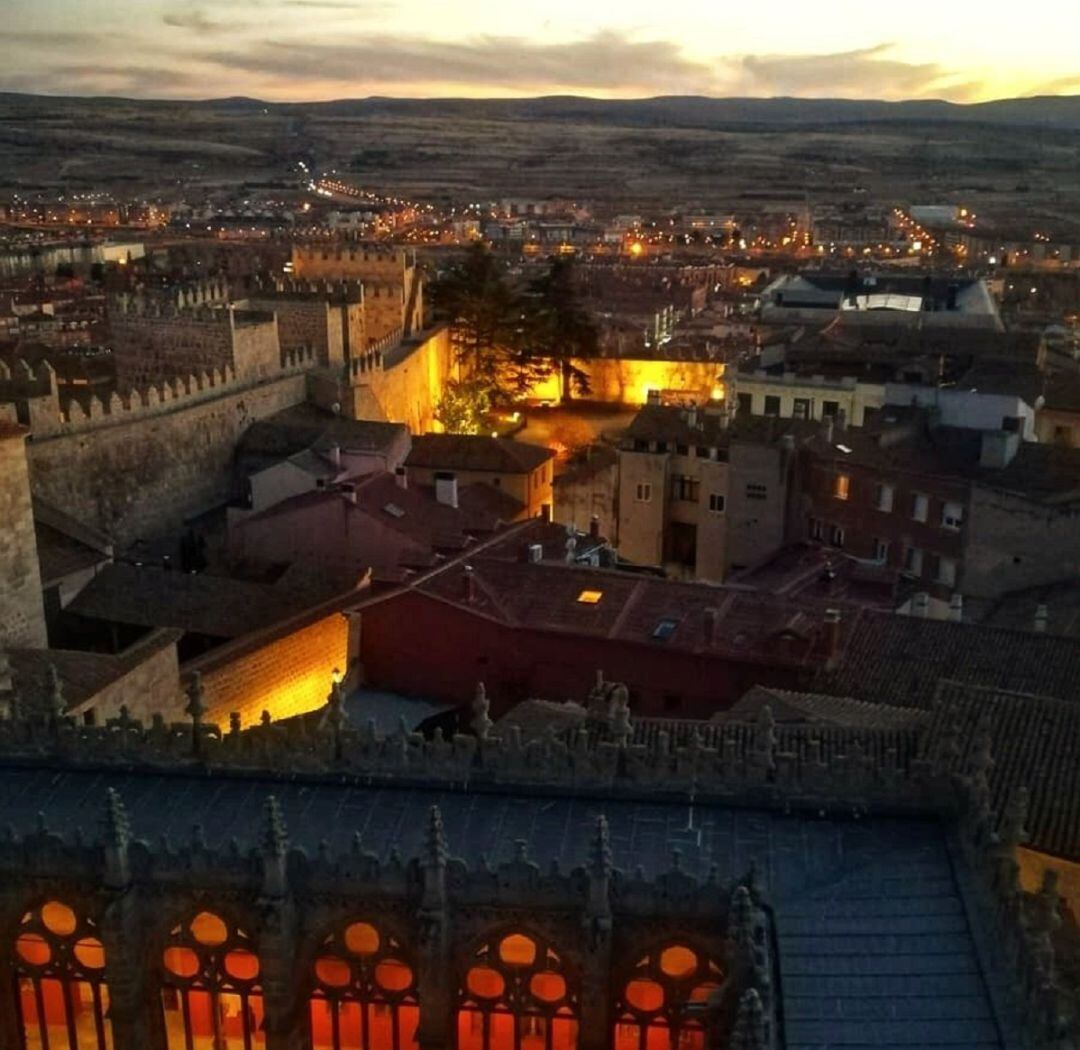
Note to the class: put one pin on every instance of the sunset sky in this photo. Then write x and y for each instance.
(320, 49)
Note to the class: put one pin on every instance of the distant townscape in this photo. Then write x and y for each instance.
(478, 607)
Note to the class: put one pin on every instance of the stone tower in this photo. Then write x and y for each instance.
(22, 611)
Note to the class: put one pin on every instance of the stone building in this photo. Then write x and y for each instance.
(759, 887)
(699, 497)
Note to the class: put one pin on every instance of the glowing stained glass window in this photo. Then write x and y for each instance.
(61, 997)
(210, 994)
(665, 1000)
(364, 992)
(515, 996)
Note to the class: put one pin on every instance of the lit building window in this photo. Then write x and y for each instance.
(664, 1000)
(842, 486)
(952, 516)
(364, 995)
(60, 991)
(515, 996)
(211, 995)
(590, 597)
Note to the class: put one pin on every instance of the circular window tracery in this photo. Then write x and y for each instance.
(664, 999)
(364, 992)
(515, 995)
(210, 985)
(61, 996)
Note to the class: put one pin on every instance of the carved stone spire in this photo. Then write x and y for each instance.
(600, 869)
(274, 846)
(116, 834)
(763, 754)
(480, 722)
(749, 1030)
(620, 727)
(742, 917)
(196, 708)
(1011, 832)
(434, 862)
(56, 701)
(335, 718)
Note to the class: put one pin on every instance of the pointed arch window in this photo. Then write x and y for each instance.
(61, 994)
(211, 994)
(663, 1001)
(364, 995)
(515, 995)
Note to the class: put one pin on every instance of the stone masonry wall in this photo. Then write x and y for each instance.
(139, 477)
(286, 676)
(22, 613)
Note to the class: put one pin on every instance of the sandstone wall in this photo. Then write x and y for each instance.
(627, 381)
(152, 686)
(22, 613)
(287, 675)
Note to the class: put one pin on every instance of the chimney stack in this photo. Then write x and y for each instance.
(1042, 618)
(535, 553)
(832, 636)
(594, 528)
(446, 491)
(691, 416)
(920, 605)
(956, 608)
(401, 478)
(827, 429)
(335, 455)
(470, 585)
(348, 493)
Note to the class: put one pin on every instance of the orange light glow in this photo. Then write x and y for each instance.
(485, 983)
(678, 961)
(59, 919)
(548, 987)
(645, 996)
(333, 971)
(393, 975)
(33, 948)
(181, 961)
(208, 929)
(362, 939)
(242, 965)
(517, 950)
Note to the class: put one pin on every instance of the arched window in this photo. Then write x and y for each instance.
(662, 1002)
(515, 996)
(60, 989)
(364, 995)
(210, 992)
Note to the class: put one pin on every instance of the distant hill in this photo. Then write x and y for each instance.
(1057, 112)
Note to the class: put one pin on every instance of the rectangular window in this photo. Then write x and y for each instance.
(817, 529)
(685, 488)
(913, 561)
(644, 492)
(804, 408)
(746, 404)
(836, 536)
(716, 502)
(757, 491)
(946, 572)
(881, 551)
(772, 405)
(590, 597)
(884, 498)
(952, 516)
(920, 506)
(842, 486)
(682, 450)
(830, 408)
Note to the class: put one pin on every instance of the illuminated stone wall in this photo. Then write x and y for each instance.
(627, 381)
(1032, 866)
(22, 615)
(285, 675)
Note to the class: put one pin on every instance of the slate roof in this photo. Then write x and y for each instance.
(218, 606)
(60, 555)
(671, 423)
(1016, 609)
(1035, 742)
(302, 426)
(475, 452)
(874, 944)
(820, 710)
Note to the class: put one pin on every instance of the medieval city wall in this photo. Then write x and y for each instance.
(137, 468)
(627, 381)
(286, 674)
(384, 309)
(408, 386)
(340, 263)
(22, 614)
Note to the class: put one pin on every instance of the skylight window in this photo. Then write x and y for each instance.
(590, 597)
(844, 448)
(664, 629)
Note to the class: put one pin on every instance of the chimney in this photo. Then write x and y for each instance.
(711, 618)
(1042, 618)
(653, 397)
(998, 448)
(446, 488)
(920, 605)
(348, 492)
(594, 528)
(535, 553)
(691, 416)
(841, 421)
(832, 636)
(401, 477)
(469, 594)
(334, 453)
(827, 429)
(956, 608)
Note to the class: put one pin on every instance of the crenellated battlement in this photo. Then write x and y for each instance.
(291, 288)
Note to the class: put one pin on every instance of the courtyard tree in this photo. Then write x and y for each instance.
(464, 406)
(560, 327)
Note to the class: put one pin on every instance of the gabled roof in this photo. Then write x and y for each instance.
(474, 452)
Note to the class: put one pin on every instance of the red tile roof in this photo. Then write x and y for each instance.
(473, 452)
